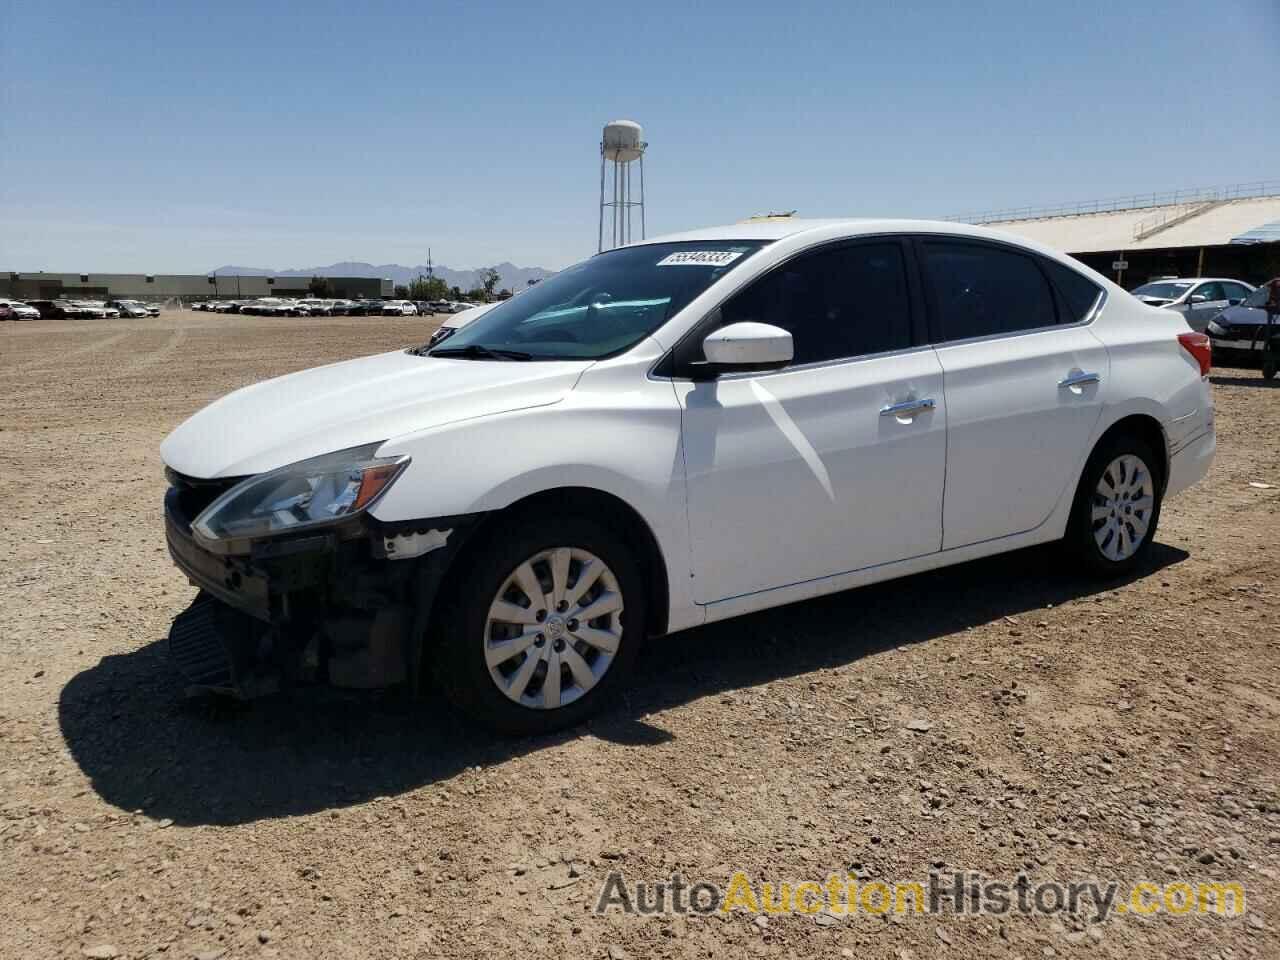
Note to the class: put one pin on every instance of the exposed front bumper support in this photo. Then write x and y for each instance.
(318, 608)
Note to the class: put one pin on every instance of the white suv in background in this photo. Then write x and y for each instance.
(672, 433)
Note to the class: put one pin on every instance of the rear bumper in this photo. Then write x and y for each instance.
(1227, 343)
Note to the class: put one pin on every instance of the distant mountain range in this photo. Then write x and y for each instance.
(513, 277)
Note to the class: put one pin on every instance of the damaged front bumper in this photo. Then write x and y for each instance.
(349, 610)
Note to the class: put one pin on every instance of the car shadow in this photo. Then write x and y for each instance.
(144, 747)
(1244, 382)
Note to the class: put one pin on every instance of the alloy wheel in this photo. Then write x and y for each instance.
(553, 628)
(1123, 502)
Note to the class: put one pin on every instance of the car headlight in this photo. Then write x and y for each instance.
(1215, 327)
(311, 493)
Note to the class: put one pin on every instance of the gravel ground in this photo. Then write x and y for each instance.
(1002, 716)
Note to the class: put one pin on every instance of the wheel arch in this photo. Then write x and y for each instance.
(621, 515)
(1147, 428)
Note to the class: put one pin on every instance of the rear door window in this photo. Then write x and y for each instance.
(980, 290)
(1235, 291)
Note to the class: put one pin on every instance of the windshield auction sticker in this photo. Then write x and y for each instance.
(700, 258)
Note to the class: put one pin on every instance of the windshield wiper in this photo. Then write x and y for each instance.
(478, 351)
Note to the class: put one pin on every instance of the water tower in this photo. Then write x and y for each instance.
(621, 146)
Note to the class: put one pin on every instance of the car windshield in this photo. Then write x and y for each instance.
(1163, 291)
(601, 306)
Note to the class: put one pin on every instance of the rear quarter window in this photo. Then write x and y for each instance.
(1076, 293)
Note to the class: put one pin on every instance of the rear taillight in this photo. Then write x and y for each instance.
(1197, 344)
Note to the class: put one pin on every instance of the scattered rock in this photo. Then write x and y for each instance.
(919, 725)
(101, 951)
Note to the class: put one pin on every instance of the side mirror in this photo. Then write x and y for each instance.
(1234, 302)
(1197, 298)
(747, 346)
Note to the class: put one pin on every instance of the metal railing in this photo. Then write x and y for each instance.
(1084, 208)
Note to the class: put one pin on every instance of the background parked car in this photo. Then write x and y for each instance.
(61, 310)
(366, 308)
(399, 308)
(1198, 299)
(91, 310)
(129, 308)
(1240, 328)
(274, 307)
(316, 307)
(17, 310)
(99, 309)
(48, 309)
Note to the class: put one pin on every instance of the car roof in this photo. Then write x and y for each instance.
(777, 228)
(1199, 280)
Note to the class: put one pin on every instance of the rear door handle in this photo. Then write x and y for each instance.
(1079, 379)
(907, 408)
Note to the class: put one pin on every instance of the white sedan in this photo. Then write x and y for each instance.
(1199, 299)
(399, 308)
(673, 433)
(17, 310)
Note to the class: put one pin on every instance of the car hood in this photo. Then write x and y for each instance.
(1241, 314)
(312, 412)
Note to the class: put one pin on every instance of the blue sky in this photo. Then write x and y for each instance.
(176, 137)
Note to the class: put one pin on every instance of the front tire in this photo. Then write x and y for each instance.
(541, 624)
(1117, 507)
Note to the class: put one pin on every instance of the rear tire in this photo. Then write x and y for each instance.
(1117, 507)
(497, 641)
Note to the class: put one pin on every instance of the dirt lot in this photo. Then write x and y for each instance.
(1001, 717)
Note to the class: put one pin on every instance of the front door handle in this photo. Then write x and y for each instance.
(1079, 379)
(907, 408)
